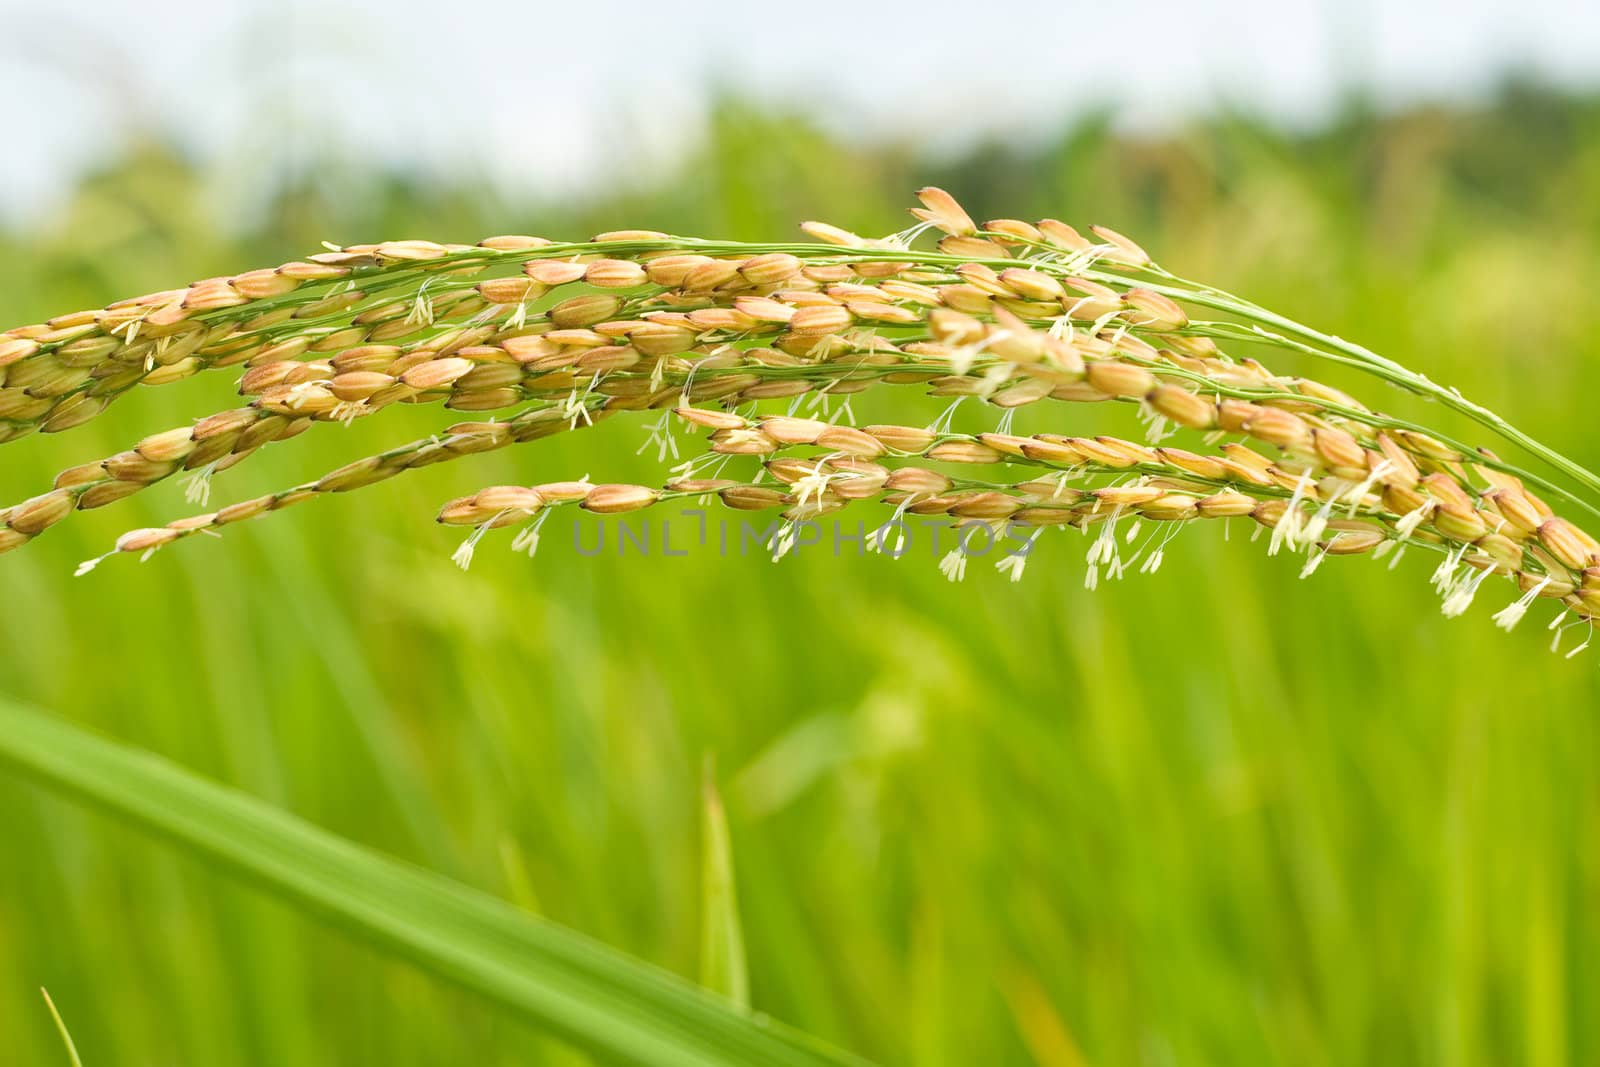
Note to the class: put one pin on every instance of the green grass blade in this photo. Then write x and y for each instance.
(618, 1007)
(61, 1028)
(722, 960)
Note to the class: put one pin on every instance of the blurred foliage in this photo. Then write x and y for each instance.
(1216, 816)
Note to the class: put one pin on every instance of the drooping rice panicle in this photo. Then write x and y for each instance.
(1057, 254)
(1009, 312)
(548, 353)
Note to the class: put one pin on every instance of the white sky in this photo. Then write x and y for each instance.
(543, 96)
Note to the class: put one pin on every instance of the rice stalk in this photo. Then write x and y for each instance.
(1011, 313)
(542, 357)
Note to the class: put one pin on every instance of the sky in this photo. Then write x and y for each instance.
(550, 96)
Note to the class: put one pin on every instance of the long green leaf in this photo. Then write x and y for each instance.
(618, 1007)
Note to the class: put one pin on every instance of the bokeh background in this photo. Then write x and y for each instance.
(1214, 816)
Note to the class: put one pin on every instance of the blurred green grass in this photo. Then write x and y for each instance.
(1215, 816)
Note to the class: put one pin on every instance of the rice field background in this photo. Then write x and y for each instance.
(1218, 815)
